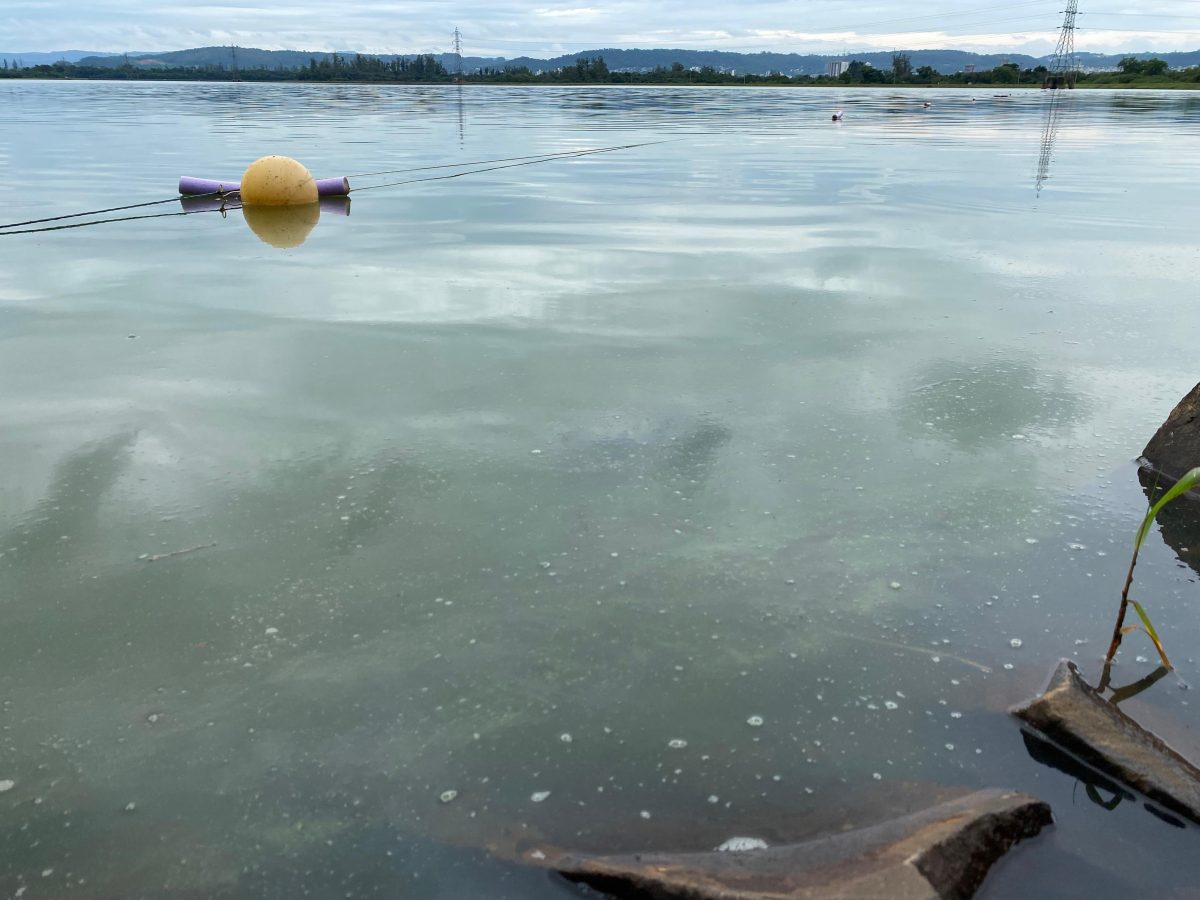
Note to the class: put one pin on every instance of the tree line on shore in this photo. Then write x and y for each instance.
(593, 70)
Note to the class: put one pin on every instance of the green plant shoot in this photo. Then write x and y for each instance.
(1182, 486)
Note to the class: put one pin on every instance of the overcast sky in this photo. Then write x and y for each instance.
(516, 27)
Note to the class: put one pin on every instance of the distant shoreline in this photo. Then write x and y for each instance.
(984, 89)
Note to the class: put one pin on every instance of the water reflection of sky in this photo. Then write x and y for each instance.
(629, 448)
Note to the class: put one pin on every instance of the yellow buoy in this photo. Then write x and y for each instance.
(277, 181)
(282, 226)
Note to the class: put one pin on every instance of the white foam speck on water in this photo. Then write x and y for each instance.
(755, 721)
(565, 738)
(677, 744)
(1016, 643)
(713, 798)
(890, 704)
(539, 796)
(1031, 540)
(877, 776)
(895, 585)
(271, 631)
(742, 845)
(645, 814)
(7, 785)
(448, 796)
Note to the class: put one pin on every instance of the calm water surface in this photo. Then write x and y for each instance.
(729, 486)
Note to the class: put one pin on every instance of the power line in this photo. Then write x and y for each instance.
(1089, 14)
(1137, 30)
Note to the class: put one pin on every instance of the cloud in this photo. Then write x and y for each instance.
(578, 13)
(519, 27)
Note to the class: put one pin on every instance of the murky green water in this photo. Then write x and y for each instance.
(516, 482)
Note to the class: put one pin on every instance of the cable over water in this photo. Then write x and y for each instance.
(186, 212)
(485, 162)
(513, 165)
(97, 212)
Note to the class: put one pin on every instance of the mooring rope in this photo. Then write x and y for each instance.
(97, 212)
(486, 162)
(510, 162)
(531, 162)
(186, 212)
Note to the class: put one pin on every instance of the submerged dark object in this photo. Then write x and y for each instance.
(942, 853)
(1073, 715)
(1175, 448)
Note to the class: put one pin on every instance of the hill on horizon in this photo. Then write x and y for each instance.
(944, 61)
(49, 57)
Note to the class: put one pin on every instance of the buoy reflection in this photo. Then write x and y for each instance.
(283, 227)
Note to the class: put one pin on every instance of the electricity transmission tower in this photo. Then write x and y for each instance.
(458, 70)
(1063, 67)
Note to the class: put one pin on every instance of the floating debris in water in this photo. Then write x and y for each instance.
(130, 807)
(645, 814)
(1016, 643)
(877, 776)
(742, 845)
(890, 704)
(1031, 540)
(713, 798)
(755, 721)
(677, 744)
(565, 738)
(271, 632)
(539, 796)
(448, 796)
(7, 785)
(895, 585)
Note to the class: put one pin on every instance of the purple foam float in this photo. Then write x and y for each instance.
(188, 186)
